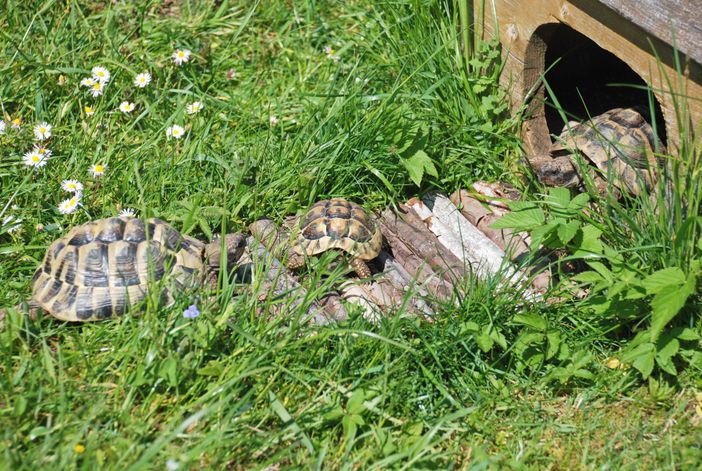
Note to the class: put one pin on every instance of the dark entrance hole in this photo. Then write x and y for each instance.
(584, 79)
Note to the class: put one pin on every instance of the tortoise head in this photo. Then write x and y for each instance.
(555, 170)
(233, 246)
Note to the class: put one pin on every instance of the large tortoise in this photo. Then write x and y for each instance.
(329, 224)
(619, 142)
(102, 268)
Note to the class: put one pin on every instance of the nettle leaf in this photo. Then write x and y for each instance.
(566, 231)
(587, 242)
(355, 403)
(542, 235)
(523, 220)
(660, 279)
(484, 341)
(588, 277)
(417, 165)
(642, 358)
(531, 320)
(558, 199)
(579, 202)
(667, 303)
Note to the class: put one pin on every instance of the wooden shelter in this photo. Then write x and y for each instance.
(597, 55)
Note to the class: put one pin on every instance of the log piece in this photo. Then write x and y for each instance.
(418, 252)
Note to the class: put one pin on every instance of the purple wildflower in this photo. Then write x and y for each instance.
(191, 312)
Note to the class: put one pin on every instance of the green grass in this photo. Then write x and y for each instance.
(235, 388)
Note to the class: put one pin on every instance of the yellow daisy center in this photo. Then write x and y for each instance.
(99, 168)
(16, 121)
(181, 54)
(42, 129)
(96, 86)
(36, 159)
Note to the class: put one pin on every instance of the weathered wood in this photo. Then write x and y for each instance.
(638, 32)
(411, 291)
(672, 21)
(356, 294)
(463, 239)
(413, 249)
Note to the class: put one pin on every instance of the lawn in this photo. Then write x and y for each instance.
(260, 108)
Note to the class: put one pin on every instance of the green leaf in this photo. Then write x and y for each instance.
(355, 403)
(688, 334)
(587, 242)
(588, 277)
(532, 320)
(212, 368)
(484, 341)
(419, 163)
(335, 414)
(661, 279)
(667, 303)
(558, 198)
(567, 231)
(642, 358)
(579, 202)
(350, 427)
(523, 220)
(554, 342)
(48, 362)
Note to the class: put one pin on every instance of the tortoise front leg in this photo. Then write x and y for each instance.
(360, 268)
(295, 260)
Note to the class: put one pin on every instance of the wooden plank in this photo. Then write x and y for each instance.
(672, 21)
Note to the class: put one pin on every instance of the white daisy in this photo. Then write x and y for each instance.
(42, 131)
(16, 123)
(142, 79)
(98, 170)
(3, 126)
(97, 89)
(175, 131)
(127, 213)
(194, 107)
(273, 120)
(34, 159)
(89, 110)
(329, 51)
(13, 222)
(126, 107)
(69, 205)
(72, 186)
(181, 56)
(101, 74)
(88, 82)
(43, 152)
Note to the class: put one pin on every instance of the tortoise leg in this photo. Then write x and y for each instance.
(360, 268)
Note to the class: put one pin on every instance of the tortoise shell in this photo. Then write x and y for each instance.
(338, 224)
(103, 267)
(620, 143)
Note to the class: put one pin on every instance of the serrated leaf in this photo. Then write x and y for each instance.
(688, 334)
(554, 342)
(558, 197)
(497, 336)
(588, 277)
(419, 163)
(484, 342)
(532, 320)
(642, 358)
(667, 303)
(587, 242)
(660, 279)
(523, 220)
(355, 403)
(579, 202)
(567, 231)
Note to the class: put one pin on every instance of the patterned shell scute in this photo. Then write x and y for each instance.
(103, 267)
(339, 224)
(620, 143)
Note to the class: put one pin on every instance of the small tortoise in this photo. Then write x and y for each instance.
(337, 224)
(619, 142)
(101, 268)
(329, 224)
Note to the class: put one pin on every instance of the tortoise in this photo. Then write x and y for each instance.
(103, 267)
(329, 224)
(619, 142)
